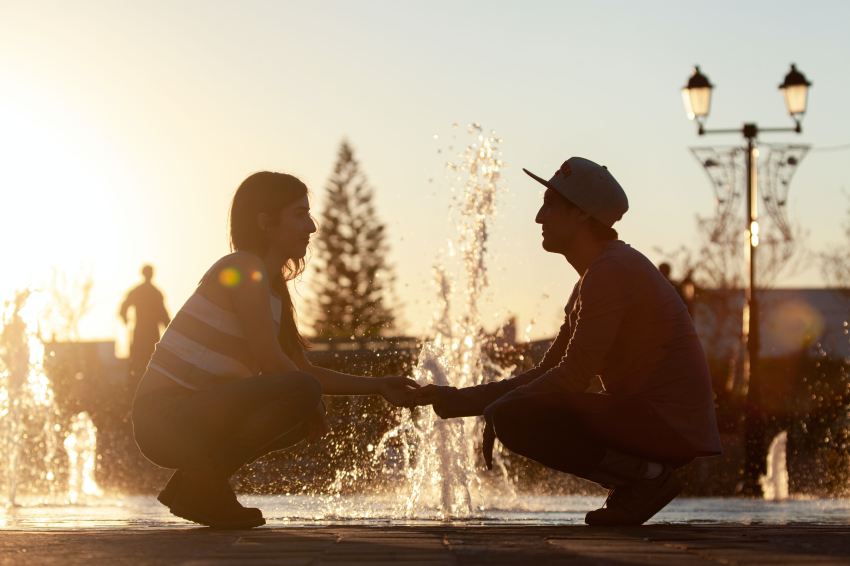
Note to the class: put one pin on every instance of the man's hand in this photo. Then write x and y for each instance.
(446, 400)
(430, 394)
(399, 391)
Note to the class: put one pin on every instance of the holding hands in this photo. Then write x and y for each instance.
(398, 390)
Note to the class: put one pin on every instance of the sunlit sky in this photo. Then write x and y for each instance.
(125, 127)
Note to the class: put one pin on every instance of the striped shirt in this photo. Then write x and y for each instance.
(205, 345)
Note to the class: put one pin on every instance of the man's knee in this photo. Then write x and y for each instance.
(507, 426)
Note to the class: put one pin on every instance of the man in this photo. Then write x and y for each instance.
(150, 312)
(627, 330)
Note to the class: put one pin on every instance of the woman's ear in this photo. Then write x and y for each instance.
(264, 221)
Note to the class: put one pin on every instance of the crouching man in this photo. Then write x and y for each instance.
(623, 396)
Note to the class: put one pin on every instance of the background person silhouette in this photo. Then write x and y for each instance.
(150, 313)
(686, 288)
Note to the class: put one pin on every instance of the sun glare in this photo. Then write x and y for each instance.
(60, 189)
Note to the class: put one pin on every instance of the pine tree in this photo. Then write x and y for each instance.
(352, 273)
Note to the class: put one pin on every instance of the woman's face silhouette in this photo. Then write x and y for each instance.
(289, 236)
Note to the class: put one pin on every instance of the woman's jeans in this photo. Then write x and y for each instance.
(219, 429)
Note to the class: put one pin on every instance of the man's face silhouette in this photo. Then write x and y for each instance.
(560, 221)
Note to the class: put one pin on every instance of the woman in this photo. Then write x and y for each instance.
(229, 381)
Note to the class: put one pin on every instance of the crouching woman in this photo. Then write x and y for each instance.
(229, 381)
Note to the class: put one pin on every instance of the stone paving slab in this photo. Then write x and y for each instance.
(434, 545)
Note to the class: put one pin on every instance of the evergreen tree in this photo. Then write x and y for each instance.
(352, 273)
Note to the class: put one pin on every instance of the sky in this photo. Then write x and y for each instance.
(125, 127)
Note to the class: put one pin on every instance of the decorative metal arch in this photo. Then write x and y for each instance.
(727, 171)
(776, 169)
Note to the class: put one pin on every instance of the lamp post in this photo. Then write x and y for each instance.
(696, 96)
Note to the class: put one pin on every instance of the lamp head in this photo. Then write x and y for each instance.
(696, 96)
(795, 89)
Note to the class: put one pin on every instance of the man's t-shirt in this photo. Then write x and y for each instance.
(626, 324)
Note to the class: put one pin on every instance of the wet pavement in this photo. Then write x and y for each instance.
(368, 530)
(434, 544)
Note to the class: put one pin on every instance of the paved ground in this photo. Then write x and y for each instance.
(449, 545)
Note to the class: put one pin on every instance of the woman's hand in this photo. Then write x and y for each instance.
(398, 390)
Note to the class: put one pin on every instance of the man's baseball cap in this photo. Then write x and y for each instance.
(589, 186)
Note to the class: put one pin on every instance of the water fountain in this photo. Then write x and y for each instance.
(774, 483)
(441, 460)
(32, 434)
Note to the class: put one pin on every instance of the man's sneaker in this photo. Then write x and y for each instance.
(215, 506)
(636, 503)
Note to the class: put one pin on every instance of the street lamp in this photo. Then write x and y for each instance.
(697, 98)
(795, 88)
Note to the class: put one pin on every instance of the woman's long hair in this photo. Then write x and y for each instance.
(267, 192)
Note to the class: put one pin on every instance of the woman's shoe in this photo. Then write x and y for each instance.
(217, 517)
(218, 506)
(169, 492)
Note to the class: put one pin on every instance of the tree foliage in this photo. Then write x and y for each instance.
(353, 277)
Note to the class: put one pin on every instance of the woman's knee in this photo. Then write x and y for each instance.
(301, 387)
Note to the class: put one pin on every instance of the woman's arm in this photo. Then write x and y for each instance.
(395, 389)
(250, 300)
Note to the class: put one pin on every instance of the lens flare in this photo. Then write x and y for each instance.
(230, 277)
(792, 326)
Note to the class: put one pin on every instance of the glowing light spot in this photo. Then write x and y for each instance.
(793, 325)
(230, 277)
(256, 276)
(754, 233)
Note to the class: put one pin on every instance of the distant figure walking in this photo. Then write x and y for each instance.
(150, 314)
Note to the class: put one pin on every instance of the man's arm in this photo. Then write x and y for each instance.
(129, 300)
(603, 300)
(470, 401)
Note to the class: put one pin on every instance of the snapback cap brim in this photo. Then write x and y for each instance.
(540, 180)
